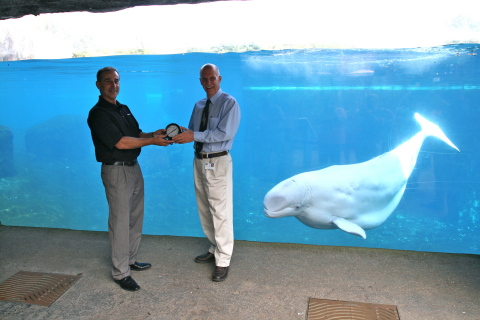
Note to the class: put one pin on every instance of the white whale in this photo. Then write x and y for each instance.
(354, 197)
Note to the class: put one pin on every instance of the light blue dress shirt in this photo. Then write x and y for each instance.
(223, 122)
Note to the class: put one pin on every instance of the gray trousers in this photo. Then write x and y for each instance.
(214, 192)
(125, 196)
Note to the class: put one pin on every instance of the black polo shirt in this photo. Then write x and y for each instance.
(108, 124)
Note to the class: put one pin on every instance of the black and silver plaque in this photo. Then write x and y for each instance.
(172, 130)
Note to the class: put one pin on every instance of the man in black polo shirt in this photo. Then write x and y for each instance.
(118, 140)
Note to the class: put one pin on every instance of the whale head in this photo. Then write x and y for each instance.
(285, 199)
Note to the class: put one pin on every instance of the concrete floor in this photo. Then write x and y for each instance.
(266, 280)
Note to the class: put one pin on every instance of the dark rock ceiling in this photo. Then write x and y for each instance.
(19, 8)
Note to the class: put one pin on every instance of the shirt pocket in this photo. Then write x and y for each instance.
(212, 123)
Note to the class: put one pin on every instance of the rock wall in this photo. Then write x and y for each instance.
(59, 139)
(7, 168)
(19, 8)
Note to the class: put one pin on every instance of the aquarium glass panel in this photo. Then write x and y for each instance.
(342, 119)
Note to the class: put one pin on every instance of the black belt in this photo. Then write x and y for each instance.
(210, 155)
(121, 163)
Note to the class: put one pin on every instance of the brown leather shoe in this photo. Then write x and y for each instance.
(220, 274)
(205, 258)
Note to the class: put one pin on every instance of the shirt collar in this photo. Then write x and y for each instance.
(215, 96)
(107, 104)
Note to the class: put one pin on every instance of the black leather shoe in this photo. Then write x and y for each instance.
(137, 266)
(205, 258)
(128, 284)
(220, 274)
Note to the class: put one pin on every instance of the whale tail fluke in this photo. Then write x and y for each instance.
(431, 129)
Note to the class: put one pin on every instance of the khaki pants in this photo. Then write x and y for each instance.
(214, 192)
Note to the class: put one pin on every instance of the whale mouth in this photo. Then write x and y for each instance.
(268, 213)
(277, 214)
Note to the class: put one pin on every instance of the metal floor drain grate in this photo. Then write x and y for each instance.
(36, 288)
(346, 310)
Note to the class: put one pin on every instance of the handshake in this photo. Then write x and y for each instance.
(173, 133)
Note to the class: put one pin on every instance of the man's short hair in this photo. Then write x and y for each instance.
(210, 65)
(101, 71)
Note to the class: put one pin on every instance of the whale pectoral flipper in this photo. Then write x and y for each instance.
(349, 227)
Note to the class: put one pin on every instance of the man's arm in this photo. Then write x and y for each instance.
(226, 128)
(227, 125)
(145, 139)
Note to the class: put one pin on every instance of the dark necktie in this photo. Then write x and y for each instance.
(203, 125)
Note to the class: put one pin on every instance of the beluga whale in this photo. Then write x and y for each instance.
(354, 197)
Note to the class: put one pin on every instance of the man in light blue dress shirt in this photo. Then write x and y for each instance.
(213, 167)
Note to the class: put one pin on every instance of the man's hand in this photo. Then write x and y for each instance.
(159, 140)
(184, 137)
(159, 132)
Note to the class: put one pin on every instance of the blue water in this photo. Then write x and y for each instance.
(301, 111)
